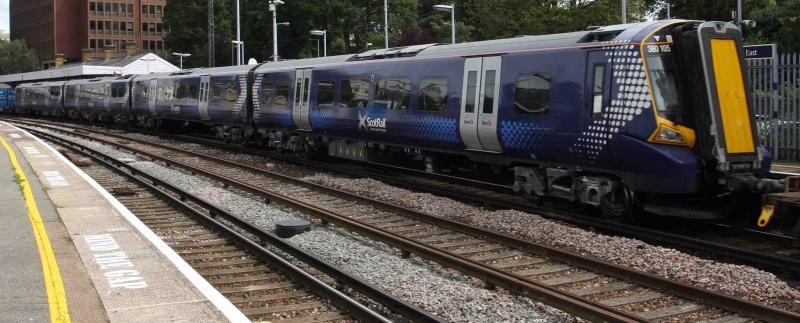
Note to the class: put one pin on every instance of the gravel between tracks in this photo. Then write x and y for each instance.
(737, 280)
(448, 295)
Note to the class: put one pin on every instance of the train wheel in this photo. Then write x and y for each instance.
(619, 206)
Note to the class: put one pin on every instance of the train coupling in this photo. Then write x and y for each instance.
(779, 203)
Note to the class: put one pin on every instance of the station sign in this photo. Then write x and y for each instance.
(760, 51)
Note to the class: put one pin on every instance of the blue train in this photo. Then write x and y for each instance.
(619, 117)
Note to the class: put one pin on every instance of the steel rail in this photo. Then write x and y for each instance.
(312, 283)
(637, 232)
(565, 301)
(697, 294)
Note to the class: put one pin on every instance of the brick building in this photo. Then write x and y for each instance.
(67, 26)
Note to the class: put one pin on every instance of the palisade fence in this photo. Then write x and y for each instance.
(777, 106)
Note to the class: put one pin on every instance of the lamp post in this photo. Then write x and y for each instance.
(451, 8)
(273, 7)
(324, 34)
(181, 56)
(147, 60)
(239, 51)
(385, 23)
(624, 12)
(238, 41)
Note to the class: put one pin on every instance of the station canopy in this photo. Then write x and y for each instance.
(134, 64)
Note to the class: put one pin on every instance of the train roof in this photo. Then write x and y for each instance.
(41, 84)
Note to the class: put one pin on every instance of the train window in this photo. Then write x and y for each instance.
(55, 91)
(532, 95)
(140, 91)
(230, 92)
(393, 93)
(326, 90)
(472, 87)
(432, 94)
(355, 93)
(488, 92)
(266, 91)
(597, 90)
(281, 97)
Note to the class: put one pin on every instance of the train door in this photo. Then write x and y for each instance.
(152, 96)
(302, 91)
(598, 125)
(203, 99)
(107, 97)
(480, 98)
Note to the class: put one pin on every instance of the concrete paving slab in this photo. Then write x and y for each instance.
(132, 279)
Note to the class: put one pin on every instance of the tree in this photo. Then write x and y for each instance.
(16, 57)
(187, 22)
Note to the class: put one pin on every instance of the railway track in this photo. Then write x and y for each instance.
(736, 242)
(259, 281)
(577, 284)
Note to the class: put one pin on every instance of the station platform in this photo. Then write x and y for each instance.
(786, 167)
(70, 252)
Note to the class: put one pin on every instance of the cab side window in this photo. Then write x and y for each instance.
(532, 95)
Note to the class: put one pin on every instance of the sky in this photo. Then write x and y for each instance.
(4, 15)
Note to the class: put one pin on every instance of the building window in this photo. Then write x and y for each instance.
(92, 43)
(152, 9)
(144, 27)
(158, 27)
(130, 9)
(152, 27)
(108, 7)
(152, 45)
(159, 10)
(92, 6)
(144, 44)
(116, 7)
(92, 25)
(108, 26)
(144, 9)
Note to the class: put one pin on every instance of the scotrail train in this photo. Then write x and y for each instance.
(620, 117)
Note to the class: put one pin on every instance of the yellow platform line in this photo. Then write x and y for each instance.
(56, 297)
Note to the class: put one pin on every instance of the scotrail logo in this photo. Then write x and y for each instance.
(371, 124)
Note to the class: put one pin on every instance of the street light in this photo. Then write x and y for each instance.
(181, 55)
(238, 42)
(148, 60)
(324, 34)
(239, 52)
(451, 8)
(624, 12)
(273, 7)
(385, 24)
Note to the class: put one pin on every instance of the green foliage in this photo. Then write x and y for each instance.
(187, 21)
(353, 24)
(16, 57)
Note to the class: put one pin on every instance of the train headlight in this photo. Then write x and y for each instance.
(671, 134)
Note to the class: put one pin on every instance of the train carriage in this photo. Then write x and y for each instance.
(620, 117)
(215, 97)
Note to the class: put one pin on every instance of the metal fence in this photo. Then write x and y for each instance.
(776, 99)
